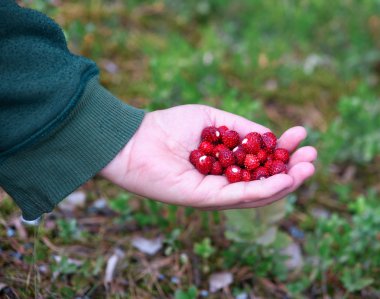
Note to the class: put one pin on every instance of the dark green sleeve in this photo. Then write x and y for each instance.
(58, 125)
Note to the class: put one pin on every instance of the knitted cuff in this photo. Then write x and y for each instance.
(40, 176)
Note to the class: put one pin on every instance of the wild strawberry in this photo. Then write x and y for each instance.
(254, 135)
(222, 130)
(270, 141)
(204, 164)
(210, 134)
(277, 167)
(217, 149)
(268, 163)
(259, 173)
(281, 154)
(252, 143)
(231, 138)
(206, 147)
(245, 175)
(226, 158)
(194, 156)
(239, 154)
(251, 162)
(233, 173)
(216, 168)
(262, 156)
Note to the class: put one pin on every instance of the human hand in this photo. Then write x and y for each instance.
(155, 162)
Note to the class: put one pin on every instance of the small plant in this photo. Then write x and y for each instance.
(68, 230)
(121, 205)
(348, 251)
(190, 293)
(151, 214)
(354, 135)
(172, 242)
(205, 250)
(64, 266)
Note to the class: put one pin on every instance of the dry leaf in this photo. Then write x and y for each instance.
(74, 200)
(220, 280)
(111, 266)
(148, 246)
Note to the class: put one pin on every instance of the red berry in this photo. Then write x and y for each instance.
(219, 148)
(206, 147)
(281, 154)
(269, 140)
(239, 154)
(233, 173)
(262, 156)
(254, 135)
(222, 130)
(251, 162)
(226, 158)
(216, 168)
(194, 156)
(231, 138)
(204, 164)
(245, 175)
(277, 167)
(252, 143)
(210, 134)
(260, 173)
(268, 163)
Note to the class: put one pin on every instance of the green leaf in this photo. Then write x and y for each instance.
(255, 225)
(191, 293)
(204, 249)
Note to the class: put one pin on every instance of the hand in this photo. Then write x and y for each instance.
(155, 162)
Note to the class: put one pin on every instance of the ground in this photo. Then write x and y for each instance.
(310, 63)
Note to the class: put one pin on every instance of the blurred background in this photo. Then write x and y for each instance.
(279, 63)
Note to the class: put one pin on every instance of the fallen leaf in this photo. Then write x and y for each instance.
(220, 280)
(271, 85)
(100, 204)
(110, 66)
(315, 60)
(320, 213)
(111, 266)
(242, 296)
(148, 246)
(74, 200)
(295, 259)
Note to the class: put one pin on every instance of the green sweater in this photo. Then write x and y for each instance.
(58, 125)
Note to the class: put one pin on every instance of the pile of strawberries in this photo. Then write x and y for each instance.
(255, 157)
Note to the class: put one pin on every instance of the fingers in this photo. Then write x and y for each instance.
(244, 192)
(291, 138)
(248, 205)
(300, 173)
(303, 154)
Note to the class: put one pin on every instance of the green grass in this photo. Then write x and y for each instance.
(280, 63)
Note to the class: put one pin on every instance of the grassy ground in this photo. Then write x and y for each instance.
(279, 63)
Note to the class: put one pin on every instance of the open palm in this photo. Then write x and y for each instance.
(155, 162)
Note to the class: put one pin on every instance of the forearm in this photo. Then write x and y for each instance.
(58, 125)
